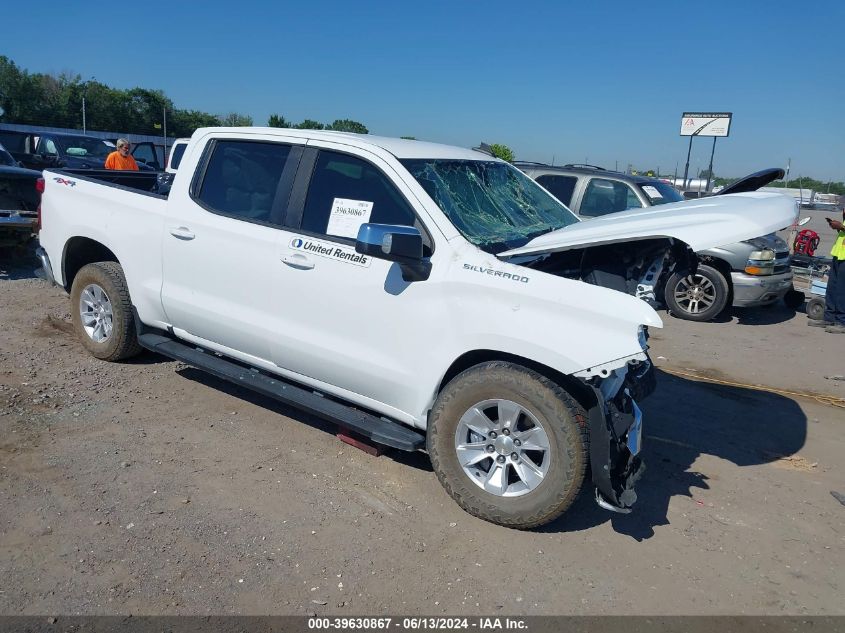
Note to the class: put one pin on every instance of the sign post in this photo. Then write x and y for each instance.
(710, 170)
(713, 124)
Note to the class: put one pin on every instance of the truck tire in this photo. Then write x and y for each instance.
(698, 297)
(509, 445)
(102, 312)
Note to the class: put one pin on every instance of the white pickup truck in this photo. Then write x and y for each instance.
(423, 296)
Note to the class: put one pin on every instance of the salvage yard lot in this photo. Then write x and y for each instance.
(150, 488)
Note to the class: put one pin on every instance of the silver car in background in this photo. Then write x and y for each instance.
(754, 272)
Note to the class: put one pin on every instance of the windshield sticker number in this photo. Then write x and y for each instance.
(347, 216)
(652, 192)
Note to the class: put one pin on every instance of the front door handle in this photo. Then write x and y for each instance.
(298, 260)
(182, 232)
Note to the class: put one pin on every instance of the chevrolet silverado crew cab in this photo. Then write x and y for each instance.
(747, 273)
(424, 296)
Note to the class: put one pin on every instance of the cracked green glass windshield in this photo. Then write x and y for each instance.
(493, 205)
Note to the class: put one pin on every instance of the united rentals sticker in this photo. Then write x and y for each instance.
(330, 250)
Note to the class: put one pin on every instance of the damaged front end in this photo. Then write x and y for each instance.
(615, 425)
(634, 268)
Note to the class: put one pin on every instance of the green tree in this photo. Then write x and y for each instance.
(235, 119)
(502, 151)
(310, 124)
(56, 100)
(144, 110)
(705, 173)
(186, 122)
(348, 125)
(277, 120)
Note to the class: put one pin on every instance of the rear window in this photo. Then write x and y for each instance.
(176, 155)
(660, 192)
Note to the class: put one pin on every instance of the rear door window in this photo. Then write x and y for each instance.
(561, 187)
(607, 196)
(241, 179)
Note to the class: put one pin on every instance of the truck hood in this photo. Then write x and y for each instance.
(701, 224)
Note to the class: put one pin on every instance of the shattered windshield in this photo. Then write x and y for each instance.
(492, 204)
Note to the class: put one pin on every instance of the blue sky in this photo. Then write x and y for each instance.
(599, 82)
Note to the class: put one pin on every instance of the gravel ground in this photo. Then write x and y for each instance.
(150, 488)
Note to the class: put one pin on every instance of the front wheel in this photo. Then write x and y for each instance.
(508, 445)
(698, 297)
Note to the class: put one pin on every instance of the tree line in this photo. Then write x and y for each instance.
(57, 101)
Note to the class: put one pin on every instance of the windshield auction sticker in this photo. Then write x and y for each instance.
(652, 191)
(347, 216)
(330, 250)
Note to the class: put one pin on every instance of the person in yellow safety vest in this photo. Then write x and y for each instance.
(834, 309)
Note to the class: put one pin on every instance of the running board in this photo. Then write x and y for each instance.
(378, 429)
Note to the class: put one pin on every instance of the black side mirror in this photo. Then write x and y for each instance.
(400, 244)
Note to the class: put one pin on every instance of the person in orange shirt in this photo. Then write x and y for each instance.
(121, 159)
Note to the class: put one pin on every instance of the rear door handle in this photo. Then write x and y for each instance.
(182, 232)
(298, 260)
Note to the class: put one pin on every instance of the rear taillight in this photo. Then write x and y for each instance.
(39, 187)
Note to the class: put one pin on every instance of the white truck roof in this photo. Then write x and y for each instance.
(400, 148)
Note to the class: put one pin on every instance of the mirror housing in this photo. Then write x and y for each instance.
(400, 244)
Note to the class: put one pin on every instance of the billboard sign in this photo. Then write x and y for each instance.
(705, 123)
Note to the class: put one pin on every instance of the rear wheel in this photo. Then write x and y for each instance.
(102, 312)
(697, 297)
(508, 444)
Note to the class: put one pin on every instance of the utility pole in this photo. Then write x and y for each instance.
(83, 115)
(164, 125)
